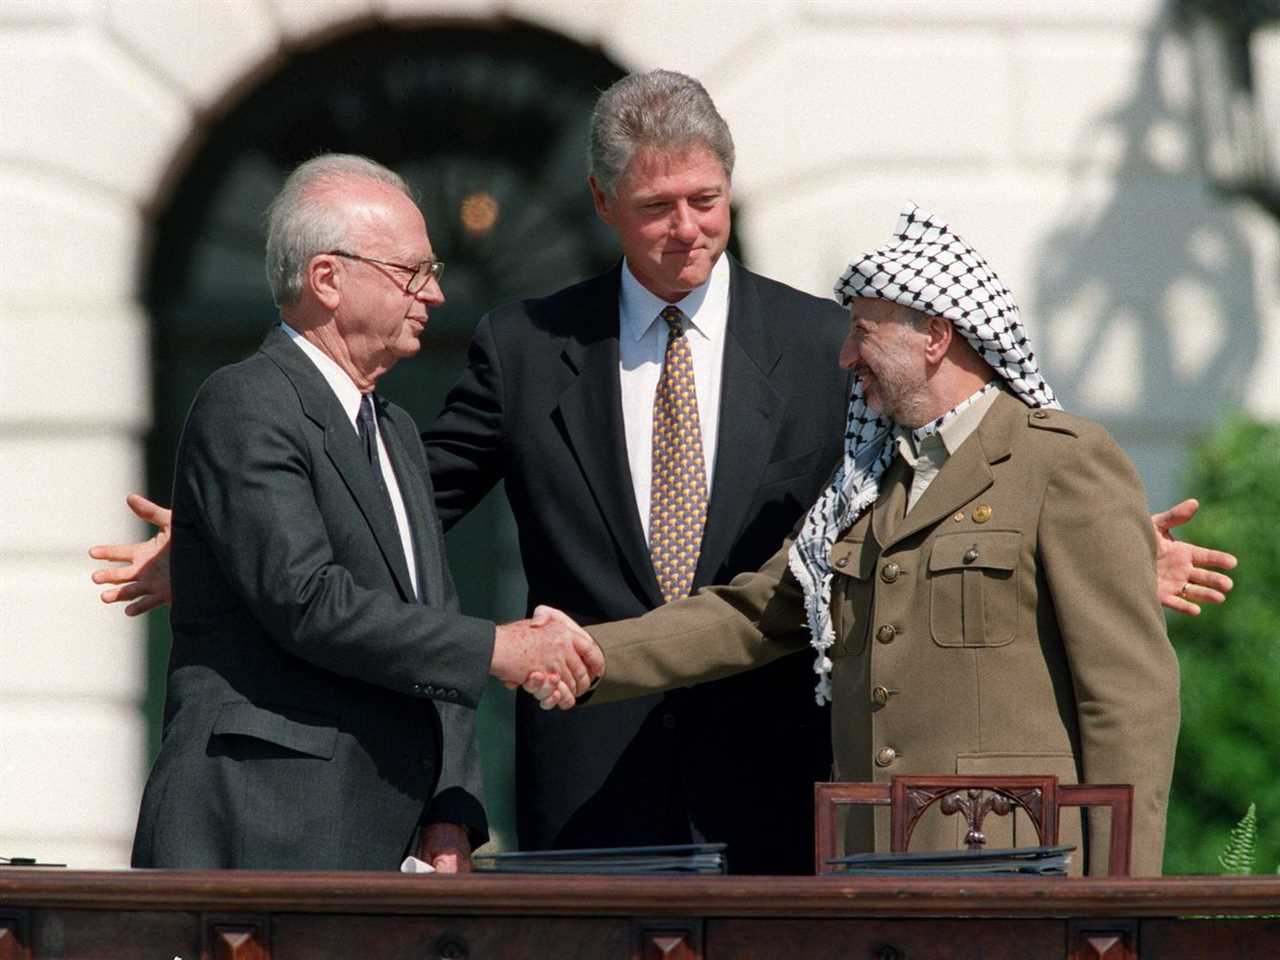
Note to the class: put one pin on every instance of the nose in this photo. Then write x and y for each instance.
(849, 350)
(683, 226)
(432, 294)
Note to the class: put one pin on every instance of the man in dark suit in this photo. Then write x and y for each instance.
(322, 683)
(558, 400)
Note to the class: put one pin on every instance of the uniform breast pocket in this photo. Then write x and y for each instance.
(973, 588)
(852, 564)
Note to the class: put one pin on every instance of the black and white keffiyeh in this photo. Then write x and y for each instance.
(929, 268)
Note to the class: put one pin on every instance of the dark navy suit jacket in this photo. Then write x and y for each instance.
(539, 407)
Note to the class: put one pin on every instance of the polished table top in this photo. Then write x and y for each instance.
(480, 894)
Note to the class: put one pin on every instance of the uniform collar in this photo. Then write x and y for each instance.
(953, 432)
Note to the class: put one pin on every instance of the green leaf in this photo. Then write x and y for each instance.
(1241, 851)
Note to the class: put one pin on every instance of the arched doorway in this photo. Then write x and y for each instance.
(488, 123)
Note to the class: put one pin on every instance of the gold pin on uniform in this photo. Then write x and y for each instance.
(959, 517)
(981, 514)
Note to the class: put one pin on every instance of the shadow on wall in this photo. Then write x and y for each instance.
(1149, 273)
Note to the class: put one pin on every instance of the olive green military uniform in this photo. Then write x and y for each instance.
(1008, 624)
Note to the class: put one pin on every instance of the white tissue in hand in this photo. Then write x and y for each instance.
(414, 865)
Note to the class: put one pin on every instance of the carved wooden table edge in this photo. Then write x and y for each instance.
(791, 897)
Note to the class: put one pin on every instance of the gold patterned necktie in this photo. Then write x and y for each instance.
(678, 498)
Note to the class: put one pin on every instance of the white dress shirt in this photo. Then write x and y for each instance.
(642, 345)
(348, 395)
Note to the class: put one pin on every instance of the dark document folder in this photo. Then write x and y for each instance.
(1018, 861)
(678, 858)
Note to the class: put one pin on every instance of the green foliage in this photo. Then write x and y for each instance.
(1240, 853)
(1229, 747)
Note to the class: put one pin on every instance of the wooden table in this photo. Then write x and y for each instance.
(235, 915)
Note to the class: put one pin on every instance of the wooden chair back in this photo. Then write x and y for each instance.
(1041, 798)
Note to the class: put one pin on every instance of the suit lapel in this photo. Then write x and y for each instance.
(967, 472)
(750, 414)
(342, 445)
(590, 410)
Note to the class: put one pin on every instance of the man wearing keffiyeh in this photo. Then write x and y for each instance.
(976, 579)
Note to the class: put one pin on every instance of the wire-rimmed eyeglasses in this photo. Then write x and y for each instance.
(418, 276)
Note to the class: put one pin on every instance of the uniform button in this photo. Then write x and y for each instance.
(842, 562)
(886, 633)
(889, 572)
(971, 555)
(880, 695)
(417, 688)
(1040, 415)
(886, 756)
(669, 721)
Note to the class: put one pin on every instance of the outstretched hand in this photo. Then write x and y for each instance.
(144, 579)
(1184, 579)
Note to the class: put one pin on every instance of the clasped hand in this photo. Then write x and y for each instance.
(549, 655)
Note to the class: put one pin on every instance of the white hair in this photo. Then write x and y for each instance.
(302, 222)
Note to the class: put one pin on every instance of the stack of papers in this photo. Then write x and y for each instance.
(1020, 861)
(620, 861)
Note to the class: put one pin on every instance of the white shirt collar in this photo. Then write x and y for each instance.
(343, 386)
(706, 306)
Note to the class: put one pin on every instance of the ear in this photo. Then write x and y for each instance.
(601, 200)
(324, 279)
(940, 334)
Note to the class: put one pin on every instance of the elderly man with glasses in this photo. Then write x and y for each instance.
(322, 683)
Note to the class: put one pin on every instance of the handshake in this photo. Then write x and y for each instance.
(548, 655)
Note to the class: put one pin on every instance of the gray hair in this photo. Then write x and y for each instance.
(301, 224)
(916, 319)
(662, 109)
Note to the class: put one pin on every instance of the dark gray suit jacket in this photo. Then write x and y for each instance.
(307, 683)
(539, 407)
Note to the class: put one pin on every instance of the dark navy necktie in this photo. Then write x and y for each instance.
(367, 425)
